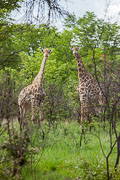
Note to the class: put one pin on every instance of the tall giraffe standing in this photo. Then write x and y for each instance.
(33, 95)
(89, 90)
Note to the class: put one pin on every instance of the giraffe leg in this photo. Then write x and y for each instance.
(33, 110)
(101, 101)
(84, 112)
(19, 115)
(41, 112)
(84, 107)
(41, 117)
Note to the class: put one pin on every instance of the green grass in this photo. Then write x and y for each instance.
(61, 157)
(58, 156)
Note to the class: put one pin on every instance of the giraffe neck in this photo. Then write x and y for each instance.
(39, 77)
(81, 68)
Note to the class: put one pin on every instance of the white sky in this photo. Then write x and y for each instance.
(79, 7)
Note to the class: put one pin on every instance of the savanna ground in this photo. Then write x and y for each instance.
(59, 153)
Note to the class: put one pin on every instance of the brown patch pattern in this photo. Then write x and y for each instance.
(33, 95)
(89, 90)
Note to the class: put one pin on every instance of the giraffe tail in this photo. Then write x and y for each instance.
(19, 116)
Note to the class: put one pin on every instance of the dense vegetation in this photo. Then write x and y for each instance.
(59, 148)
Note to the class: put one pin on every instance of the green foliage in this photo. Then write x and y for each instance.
(63, 158)
(70, 21)
(54, 152)
(20, 51)
(10, 5)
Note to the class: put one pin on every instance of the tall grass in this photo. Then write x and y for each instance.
(59, 155)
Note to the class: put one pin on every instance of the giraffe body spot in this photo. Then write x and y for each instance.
(32, 95)
(88, 89)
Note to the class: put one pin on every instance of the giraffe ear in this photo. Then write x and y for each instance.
(78, 48)
(71, 48)
(50, 50)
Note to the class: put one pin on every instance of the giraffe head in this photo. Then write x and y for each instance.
(46, 52)
(75, 50)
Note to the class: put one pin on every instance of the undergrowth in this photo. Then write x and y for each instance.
(60, 155)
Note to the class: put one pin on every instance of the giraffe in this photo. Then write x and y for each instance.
(33, 95)
(88, 89)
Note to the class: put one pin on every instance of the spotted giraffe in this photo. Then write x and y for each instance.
(88, 89)
(33, 95)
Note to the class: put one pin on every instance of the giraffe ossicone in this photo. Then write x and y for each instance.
(33, 95)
